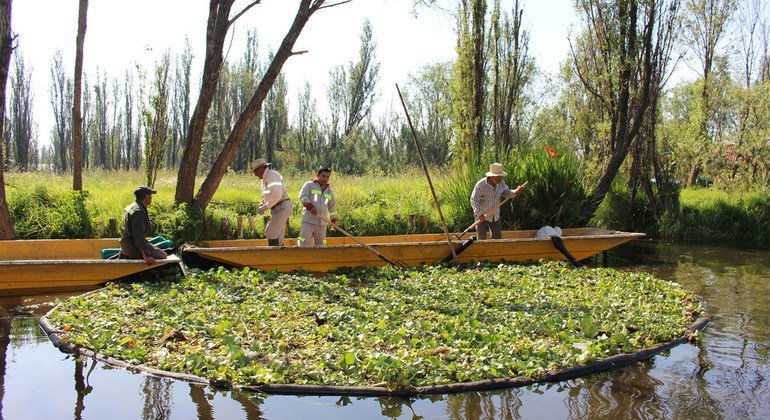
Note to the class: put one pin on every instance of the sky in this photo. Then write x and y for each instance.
(122, 34)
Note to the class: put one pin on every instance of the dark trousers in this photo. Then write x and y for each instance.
(495, 227)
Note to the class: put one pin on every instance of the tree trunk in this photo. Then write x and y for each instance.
(214, 177)
(216, 32)
(6, 47)
(77, 119)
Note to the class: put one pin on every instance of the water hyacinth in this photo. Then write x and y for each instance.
(384, 327)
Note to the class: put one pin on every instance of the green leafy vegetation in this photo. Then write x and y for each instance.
(387, 327)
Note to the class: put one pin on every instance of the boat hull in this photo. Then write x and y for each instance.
(42, 266)
(409, 250)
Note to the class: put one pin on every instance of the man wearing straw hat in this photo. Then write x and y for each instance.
(486, 196)
(275, 197)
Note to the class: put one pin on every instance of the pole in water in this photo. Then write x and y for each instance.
(427, 174)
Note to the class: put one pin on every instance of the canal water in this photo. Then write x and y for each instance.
(725, 375)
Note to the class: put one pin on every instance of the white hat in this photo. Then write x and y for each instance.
(496, 169)
(258, 163)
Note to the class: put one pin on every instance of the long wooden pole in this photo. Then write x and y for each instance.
(491, 212)
(368, 248)
(425, 167)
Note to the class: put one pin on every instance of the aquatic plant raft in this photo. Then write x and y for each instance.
(380, 331)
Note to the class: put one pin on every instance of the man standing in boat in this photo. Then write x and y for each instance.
(486, 196)
(275, 197)
(137, 227)
(319, 204)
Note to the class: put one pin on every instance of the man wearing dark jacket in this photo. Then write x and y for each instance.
(137, 227)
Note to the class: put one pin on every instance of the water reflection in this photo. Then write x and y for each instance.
(724, 376)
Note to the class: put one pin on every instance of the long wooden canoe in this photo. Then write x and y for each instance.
(409, 250)
(57, 265)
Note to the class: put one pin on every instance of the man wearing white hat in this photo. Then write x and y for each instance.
(275, 197)
(486, 196)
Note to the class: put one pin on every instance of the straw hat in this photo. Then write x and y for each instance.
(258, 163)
(496, 169)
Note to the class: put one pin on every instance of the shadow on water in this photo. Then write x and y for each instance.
(724, 376)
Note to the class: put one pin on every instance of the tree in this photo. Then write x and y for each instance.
(155, 116)
(705, 24)
(219, 23)
(512, 70)
(77, 119)
(469, 84)
(276, 114)
(616, 61)
(100, 123)
(21, 122)
(60, 94)
(351, 97)
(130, 136)
(306, 9)
(180, 104)
(430, 106)
(6, 48)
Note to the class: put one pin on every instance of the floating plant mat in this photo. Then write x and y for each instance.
(380, 331)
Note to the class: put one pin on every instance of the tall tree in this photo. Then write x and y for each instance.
(130, 140)
(705, 25)
(21, 123)
(430, 104)
(60, 94)
(469, 84)
(306, 9)
(512, 70)
(615, 59)
(276, 114)
(77, 119)
(248, 76)
(219, 23)
(180, 104)
(100, 123)
(6, 48)
(155, 116)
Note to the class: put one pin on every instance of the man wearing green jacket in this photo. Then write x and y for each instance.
(137, 227)
(319, 204)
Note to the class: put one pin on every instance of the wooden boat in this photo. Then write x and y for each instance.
(52, 265)
(409, 250)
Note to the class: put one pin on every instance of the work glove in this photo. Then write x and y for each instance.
(309, 206)
(262, 209)
(334, 220)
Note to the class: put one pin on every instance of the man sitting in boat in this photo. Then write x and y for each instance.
(486, 196)
(319, 204)
(137, 227)
(275, 197)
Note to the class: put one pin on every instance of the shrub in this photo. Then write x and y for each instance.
(41, 213)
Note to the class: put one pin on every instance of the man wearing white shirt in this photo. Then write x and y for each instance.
(275, 197)
(486, 196)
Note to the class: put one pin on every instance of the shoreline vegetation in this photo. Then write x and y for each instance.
(42, 206)
(389, 328)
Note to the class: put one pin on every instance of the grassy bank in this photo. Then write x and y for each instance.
(389, 327)
(43, 206)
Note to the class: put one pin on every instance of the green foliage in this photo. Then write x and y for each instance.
(385, 327)
(718, 216)
(554, 195)
(621, 211)
(45, 213)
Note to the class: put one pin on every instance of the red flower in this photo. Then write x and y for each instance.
(551, 152)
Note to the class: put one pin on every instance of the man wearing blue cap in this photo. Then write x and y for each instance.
(137, 227)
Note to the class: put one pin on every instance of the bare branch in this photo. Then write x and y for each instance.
(299, 52)
(245, 9)
(335, 4)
